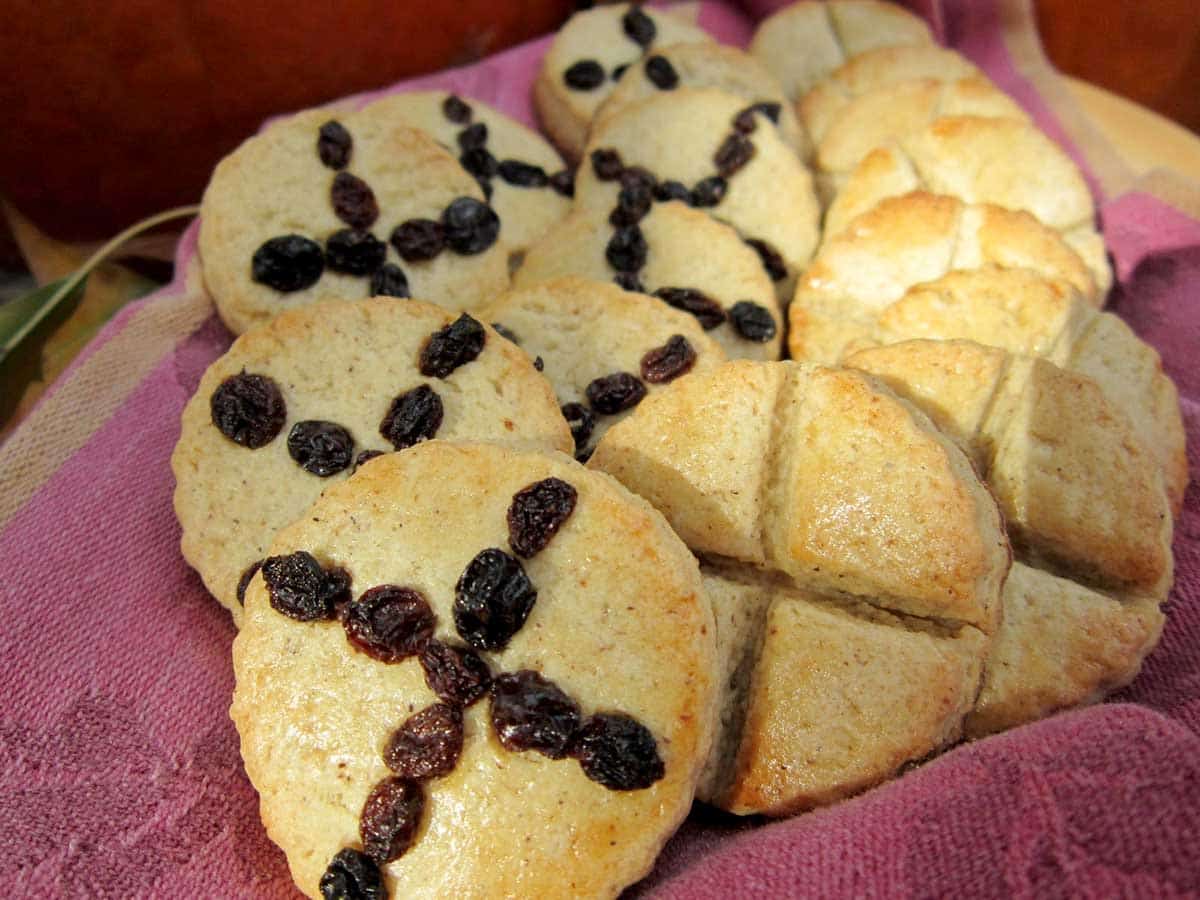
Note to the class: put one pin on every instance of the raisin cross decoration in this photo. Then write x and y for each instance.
(493, 599)
(293, 262)
(249, 410)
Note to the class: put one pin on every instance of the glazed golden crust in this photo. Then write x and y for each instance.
(842, 515)
(1060, 645)
(1083, 500)
(1023, 312)
(620, 623)
(339, 361)
(275, 184)
(842, 699)
(1000, 161)
(844, 129)
(903, 242)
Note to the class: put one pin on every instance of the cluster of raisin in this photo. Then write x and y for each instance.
(479, 161)
(587, 74)
(249, 409)
(293, 262)
(627, 249)
(615, 393)
(528, 712)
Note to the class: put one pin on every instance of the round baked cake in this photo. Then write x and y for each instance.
(845, 129)
(908, 240)
(1026, 313)
(707, 148)
(522, 175)
(708, 65)
(336, 204)
(1085, 508)
(587, 58)
(604, 350)
(474, 672)
(679, 255)
(1002, 161)
(299, 403)
(804, 42)
(854, 560)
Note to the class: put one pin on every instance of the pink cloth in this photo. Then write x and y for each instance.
(120, 775)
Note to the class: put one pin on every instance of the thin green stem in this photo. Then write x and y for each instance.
(65, 289)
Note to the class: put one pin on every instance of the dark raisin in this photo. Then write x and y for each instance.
(427, 745)
(606, 163)
(636, 177)
(639, 27)
(666, 363)
(661, 73)
(506, 333)
(413, 417)
(322, 448)
(585, 75)
(354, 252)
(627, 281)
(710, 191)
(456, 110)
(352, 875)
(530, 712)
(539, 363)
(248, 409)
(706, 310)
(389, 623)
(301, 589)
(244, 581)
(389, 281)
(753, 322)
(772, 262)
(581, 420)
(744, 122)
(672, 190)
(615, 393)
(390, 818)
(334, 144)
(770, 109)
(563, 182)
(485, 185)
(418, 240)
(619, 71)
(633, 203)
(365, 457)
(473, 137)
(626, 250)
(471, 227)
(353, 201)
(457, 675)
(735, 151)
(480, 163)
(288, 263)
(618, 752)
(583, 456)
(522, 174)
(455, 345)
(537, 512)
(492, 600)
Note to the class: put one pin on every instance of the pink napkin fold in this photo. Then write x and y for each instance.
(120, 775)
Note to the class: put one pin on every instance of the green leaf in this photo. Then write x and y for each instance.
(19, 317)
